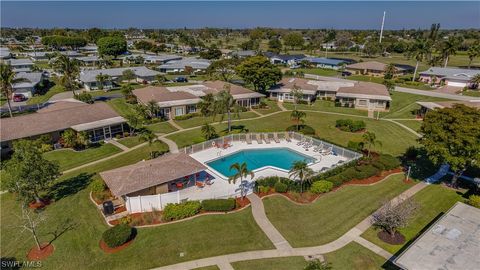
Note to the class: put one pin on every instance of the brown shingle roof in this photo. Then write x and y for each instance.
(150, 173)
(364, 89)
(160, 94)
(59, 117)
(303, 84)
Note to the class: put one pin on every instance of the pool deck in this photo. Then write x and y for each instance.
(220, 187)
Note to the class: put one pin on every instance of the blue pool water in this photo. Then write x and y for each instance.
(282, 158)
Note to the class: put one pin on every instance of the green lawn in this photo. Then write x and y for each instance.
(433, 201)
(331, 215)
(200, 120)
(211, 267)
(471, 93)
(282, 263)
(131, 141)
(161, 127)
(121, 106)
(272, 107)
(318, 71)
(68, 158)
(326, 106)
(56, 89)
(403, 105)
(355, 256)
(202, 237)
(324, 125)
(413, 124)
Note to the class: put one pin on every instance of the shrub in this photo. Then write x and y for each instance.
(117, 235)
(388, 161)
(126, 220)
(321, 186)
(350, 125)
(357, 146)
(304, 129)
(263, 189)
(377, 164)
(85, 97)
(474, 200)
(186, 116)
(175, 211)
(280, 187)
(268, 181)
(98, 185)
(366, 171)
(220, 205)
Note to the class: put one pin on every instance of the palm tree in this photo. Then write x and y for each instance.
(134, 122)
(301, 171)
(147, 136)
(241, 172)
(297, 94)
(7, 79)
(418, 51)
(101, 79)
(370, 139)
(70, 68)
(226, 104)
(389, 71)
(209, 131)
(298, 116)
(207, 105)
(475, 81)
(473, 52)
(153, 108)
(450, 47)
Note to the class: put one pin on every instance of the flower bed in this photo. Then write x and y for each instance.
(36, 254)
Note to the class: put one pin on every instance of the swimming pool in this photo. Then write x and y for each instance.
(282, 158)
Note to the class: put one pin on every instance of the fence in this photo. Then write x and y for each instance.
(149, 203)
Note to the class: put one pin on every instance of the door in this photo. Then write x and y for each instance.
(280, 97)
(107, 133)
(167, 113)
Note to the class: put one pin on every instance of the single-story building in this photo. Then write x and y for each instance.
(28, 84)
(365, 96)
(155, 176)
(5, 53)
(311, 89)
(89, 61)
(89, 49)
(426, 106)
(180, 100)
(242, 54)
(328, 63)
(89, 77)
(20, 65)
(197, 64)
(374, 68)
(452, 242)
(151, 58)
(457, 77)
(99, 120)
(286, 59)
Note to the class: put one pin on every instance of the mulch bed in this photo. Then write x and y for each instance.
(37, 255)
(372, 179)
(39, 205)
(397, 239)
(110, 250)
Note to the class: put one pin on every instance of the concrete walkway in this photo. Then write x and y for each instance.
(434, 94)
(353, 235)
(267, 227)
(175, 125)
(171, 144)
(119, 145)
(402, 125)
(257, 113)
(280, 105)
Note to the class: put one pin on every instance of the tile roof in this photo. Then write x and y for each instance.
(145, 174)
(56, 117)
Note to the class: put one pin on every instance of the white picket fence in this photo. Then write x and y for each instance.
(150, 203)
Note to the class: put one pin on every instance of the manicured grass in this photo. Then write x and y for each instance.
(403, 105)
(413, 124)
(471, 93)
(200, 120)
(331, 215)
(282, 263)
(131, 141)
(324, 125)
(56, 89)
(98, 93)
(272, 107)
(326, 106)
(433, 201)
(211, 267)
(161, 127)
(318, 71)
(355, 256)
(121, 106)
(68, 158)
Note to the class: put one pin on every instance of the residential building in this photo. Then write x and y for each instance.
(451, 242)
(311, 89)
(89, 77)
(20, 65)
(328, 63)
(374, 68)
(99, 121)
(329, 46)
(151, 58)
(39, 56)
(89, 61)
(242, 53)
(197, 65)
(5, 53)
(28, 83)
(180, 100)
(89, 49)
(365, 96)
(456, 77)
(286, 59)
(426, 106)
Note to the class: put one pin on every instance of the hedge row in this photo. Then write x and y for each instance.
(220, 205)
(272, 181)
(186, 116)
(175, 211)
(350, 125)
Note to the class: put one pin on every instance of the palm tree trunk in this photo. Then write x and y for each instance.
(470, 62)
(415, 72)
(9, 106)
(456, 176)
(446, 61)
(229, 121)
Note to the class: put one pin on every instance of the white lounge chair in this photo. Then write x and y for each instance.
(287, 137)
(248, 139)
(265, 137)
(259, 139)
(302, 141)
(275, 138)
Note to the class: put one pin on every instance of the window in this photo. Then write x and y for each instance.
(179, 111)
(191, 108)
(362, 102)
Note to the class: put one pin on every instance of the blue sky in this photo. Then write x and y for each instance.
(239, 14)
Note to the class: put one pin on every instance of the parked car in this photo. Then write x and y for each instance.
(19, 98)
(180, 79)
(346, 73)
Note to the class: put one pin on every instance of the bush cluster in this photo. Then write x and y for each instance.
(186, 116)
(350, 125)
(272, 180)
(304, 129)
(117, 235)
(321, 186)
(474, 200)
(263, 189)
(280, 187)
(98, 185)
(175, 211)
(85, 97)
(221, 205)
